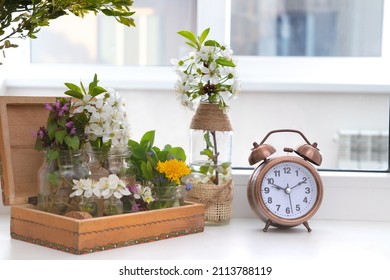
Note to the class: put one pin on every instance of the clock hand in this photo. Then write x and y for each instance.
(300, 183)
(289, 198)
(288, 191)
(276, 186)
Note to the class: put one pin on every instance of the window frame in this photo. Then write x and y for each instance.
(270, 74)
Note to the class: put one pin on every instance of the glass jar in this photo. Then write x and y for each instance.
(112, 160)
(55, 181)
(89, 205)
(211, 143)
(112, 206)
(165, 197)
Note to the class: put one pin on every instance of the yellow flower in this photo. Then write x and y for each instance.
(173, 169)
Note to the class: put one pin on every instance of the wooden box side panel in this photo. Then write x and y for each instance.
(19, 118)
(131, 229)
(43, 228)
(90, 235)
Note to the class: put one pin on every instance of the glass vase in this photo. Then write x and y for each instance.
(210, 157)
(211, 143)
(112, 160)
(55, 181)
(166, 197)
(112, 206)
(89, 205)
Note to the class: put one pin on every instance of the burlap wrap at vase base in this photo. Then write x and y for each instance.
(217, 200)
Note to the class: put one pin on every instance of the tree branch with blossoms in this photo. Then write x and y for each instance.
(207, 74)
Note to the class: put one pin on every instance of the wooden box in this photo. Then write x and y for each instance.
(19, 117)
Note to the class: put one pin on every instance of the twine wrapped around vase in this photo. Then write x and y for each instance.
(217, 200)
(210, 117)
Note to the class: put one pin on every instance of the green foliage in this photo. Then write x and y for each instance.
(25, 18)
(197, 43)
(80, 92)
(145, 157)
(207, 74)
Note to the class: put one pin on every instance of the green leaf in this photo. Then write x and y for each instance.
(60, 135)
(146, 170)
(152, 158)
(189, 35)
(38, 145)
(52, 154)
(167, 147)
(108, 12)
(224, 62)
(191, 45)
(51, 128)
(132, 143)
(52, 178)
(73, 87)
(93, 84)
(74, 94)
(212, 43)
(97, 90)
(126, 21)
(139, 152)
(163, 156)
(203, 36)
(206, 137)
(207, 152)
(177, 153)
(204, 169)
(148, 137)
(73, 142)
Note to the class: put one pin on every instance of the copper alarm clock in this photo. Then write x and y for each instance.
(285, 191)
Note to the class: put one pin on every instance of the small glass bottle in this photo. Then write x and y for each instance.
(112, 206)
(112, 160)
(55, 181)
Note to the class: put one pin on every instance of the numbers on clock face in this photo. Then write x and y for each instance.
(289, 190)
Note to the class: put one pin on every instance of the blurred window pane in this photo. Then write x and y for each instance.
(307, 27)
(102, 40)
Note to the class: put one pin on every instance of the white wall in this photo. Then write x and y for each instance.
(319, 115)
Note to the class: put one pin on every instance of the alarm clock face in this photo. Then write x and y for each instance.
(289, 190)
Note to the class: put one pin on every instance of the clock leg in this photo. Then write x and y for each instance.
(267, 225)
(306, 224)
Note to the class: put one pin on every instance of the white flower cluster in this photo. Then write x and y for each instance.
(108, 120)
(204, 76)
(105, 187)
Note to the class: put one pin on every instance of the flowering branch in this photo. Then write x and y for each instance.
(207, 74)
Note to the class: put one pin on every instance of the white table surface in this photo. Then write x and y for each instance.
(241, 239)
(333, 250)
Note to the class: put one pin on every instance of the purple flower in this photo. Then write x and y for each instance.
(48, 106)
(188, 186)
(57, 104)
(69, 124)
(135, 188)
(40, 133)
(72, 131)
(135, 207)
(65, 107)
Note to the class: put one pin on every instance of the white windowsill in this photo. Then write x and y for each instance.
(365, 75)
